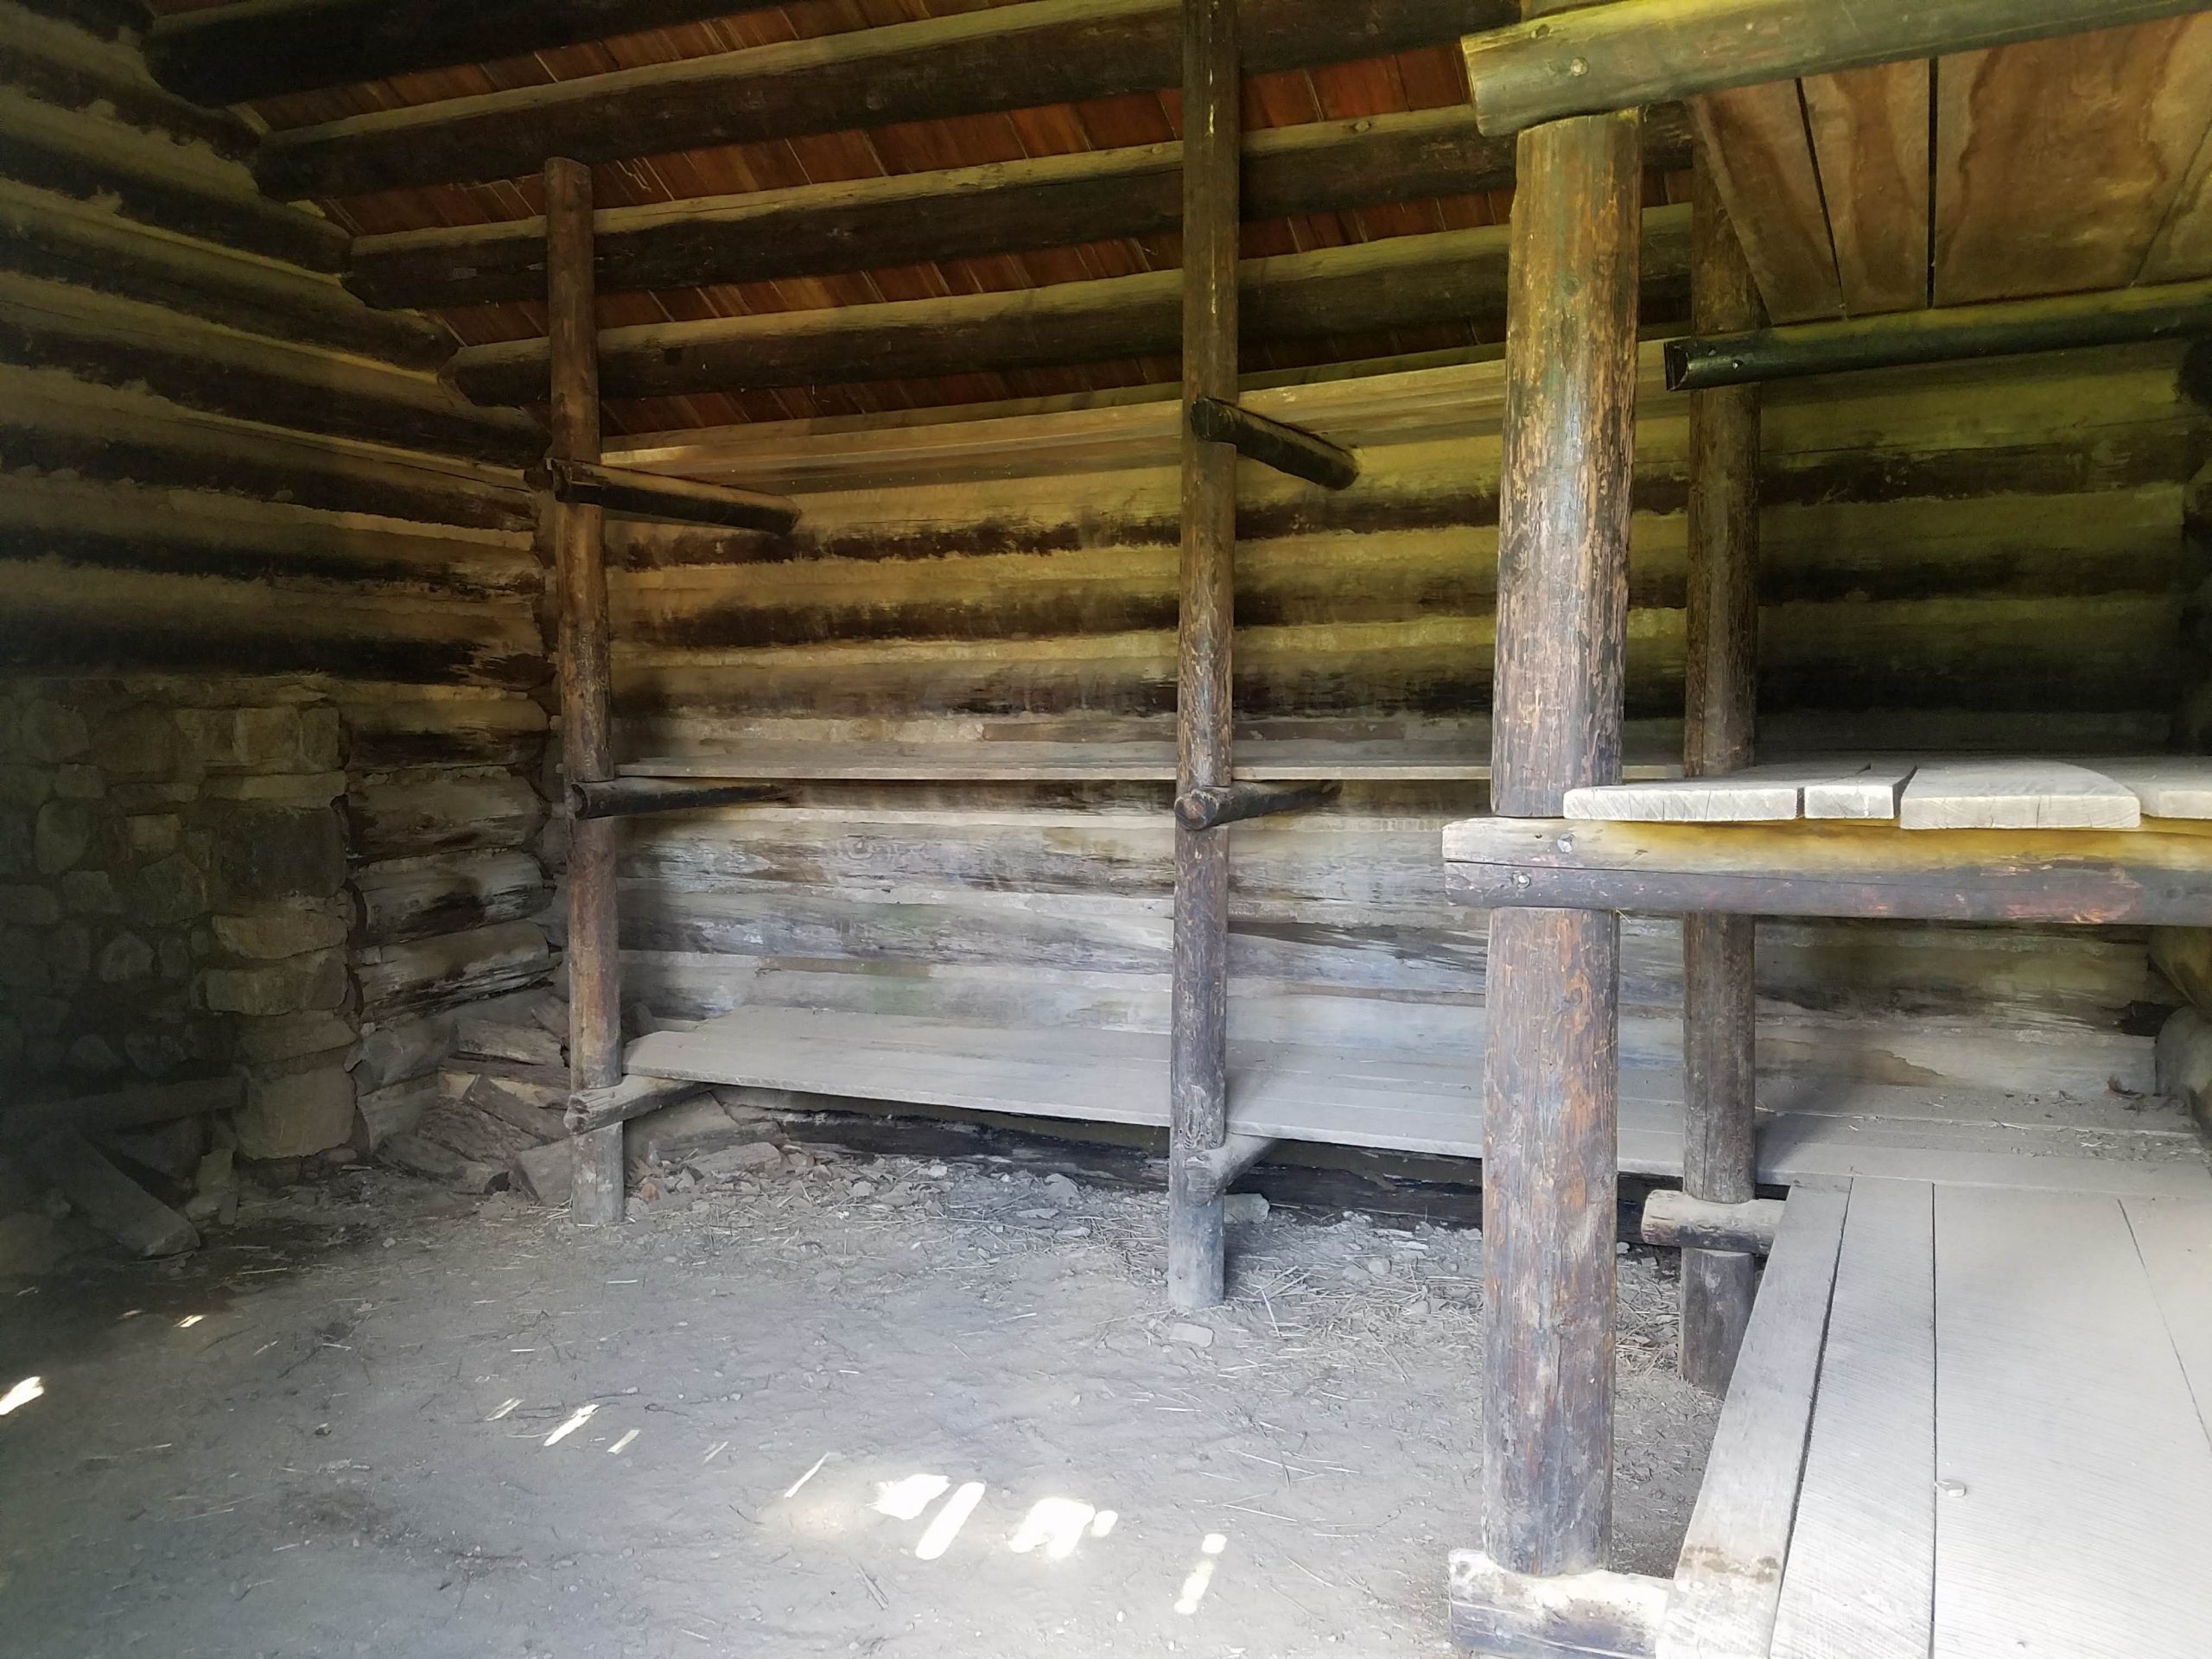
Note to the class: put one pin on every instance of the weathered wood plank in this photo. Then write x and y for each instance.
(1753, 141)
(2015, 795)
(1869, 131)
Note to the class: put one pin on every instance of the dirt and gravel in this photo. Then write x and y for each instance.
(837, 1405)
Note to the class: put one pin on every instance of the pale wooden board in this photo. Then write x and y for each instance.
(1841, 788)
(2074, 1479)
(2169, 786)
(2174, 1237)
(1868, 793)
(1870, 138)
(1754, 139)
(1859, 1582)
(1394, 1101)
(2015, 795)
(1730, 1577)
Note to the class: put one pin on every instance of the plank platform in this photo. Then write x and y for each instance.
(1817, 1130)
(1967, 1422)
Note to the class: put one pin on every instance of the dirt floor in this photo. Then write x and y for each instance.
(858, 1406)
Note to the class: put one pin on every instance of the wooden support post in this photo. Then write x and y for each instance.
(1720, 995)
(587, 718)
(1549, 1151)
(1199, 1062)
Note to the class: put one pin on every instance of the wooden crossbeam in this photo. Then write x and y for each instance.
(1629, 53)
(1286, 449)
(629, 493)
(624, 797)
(1212, 806)
(1402, 281)
(235, 54)
(1004, 57)
(957, 212)
(1950, 334)
(1678, 1221)
(1850, 870)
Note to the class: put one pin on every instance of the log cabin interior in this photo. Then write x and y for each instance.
(1612, 608)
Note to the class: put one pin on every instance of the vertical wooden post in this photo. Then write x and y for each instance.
(586, 738)
(1198, 1063)
(1550, 1168)
(1720, 998)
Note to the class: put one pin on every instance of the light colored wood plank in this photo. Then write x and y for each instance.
(1871, 793)
(2058, 161)
(2075, 1480)
(2174, 1237)
(2016, 795)
(1869, 129)
(1838, 788)
(1730, 1577)
(2169, 786)
(1860, 1576)
(1754, 139)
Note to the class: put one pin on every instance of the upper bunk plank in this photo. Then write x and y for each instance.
(1755, 142)
(1869, 129)
(237, 52)
(2015, 795)
(2058, 161)
(1012, 57)
(1874, 871)
(1400, 281)
(1046, 200)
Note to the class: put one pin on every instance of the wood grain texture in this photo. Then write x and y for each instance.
(2015, 795)
(1755, 142)
(1869, 131)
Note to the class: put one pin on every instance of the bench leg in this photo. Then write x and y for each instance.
(1198, 1069)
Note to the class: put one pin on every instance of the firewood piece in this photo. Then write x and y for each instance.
(543, 1124)
(108, 1199)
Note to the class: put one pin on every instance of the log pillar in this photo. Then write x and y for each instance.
(587, 736)
(1719, 999)
(1199, 1059)
(1549, 1169)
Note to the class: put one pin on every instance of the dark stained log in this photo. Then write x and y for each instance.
(424, 898)
(62, 64)
(106, 18)
(629, 493)
(1217, 804)
(1677, 1221)
(1007, 58)
(60, 424)
(578, 531)
(53, 236)
(413, 817)
(1551, 1074)
(914, 218)
(1951, 334)
(1842, 869)
(1628, 53)
(252, 49)
(1206, 589)
(626, 797)
(1720, 995)
(203, 366)
(449, 970)
(1286, 449)
(157, 182)
(1402, 281)
(138, 1107)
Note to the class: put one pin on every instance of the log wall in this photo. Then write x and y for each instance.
(236, 496)
(1981, 558)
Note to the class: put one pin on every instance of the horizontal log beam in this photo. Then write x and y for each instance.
(2119, 316)
(205, 366)
(1628, 52)
(1219, 1166)
(1402, 281)
(136, 1108)
(1003, 58)
(1212, 805)
(236, 53)
(632, 494)
(959, 212)
(1848, 870)
(63, 64)
(595, 1108)
(1272, 444)
(1677, 1221)
(626, 797)
(43, 234)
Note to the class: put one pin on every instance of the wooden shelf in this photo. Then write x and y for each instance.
(1285, 760)
(2159, 875)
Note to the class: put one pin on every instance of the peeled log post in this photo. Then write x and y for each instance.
(1720, 995)
(1198, 1055)
(586, 738)
(1551, 1089)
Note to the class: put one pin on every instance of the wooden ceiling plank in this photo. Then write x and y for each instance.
(1869, 129)
(1755, 141)
(2182, 247)
(2058, 161)
(1404, 282)
(1003, 58)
